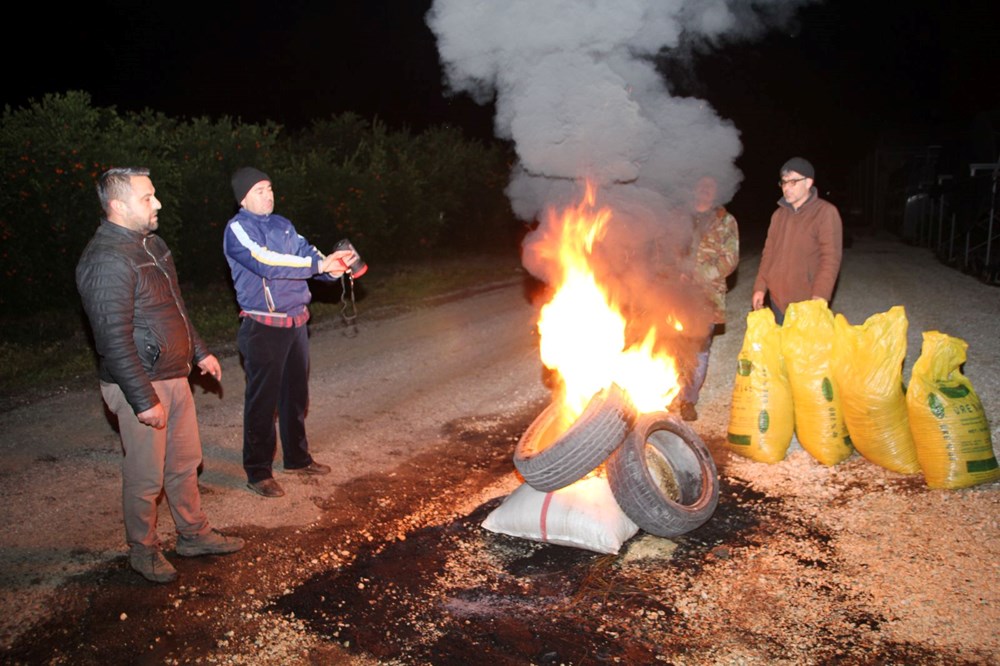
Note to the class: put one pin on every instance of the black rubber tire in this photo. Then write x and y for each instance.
(663, 476)
(549, 458)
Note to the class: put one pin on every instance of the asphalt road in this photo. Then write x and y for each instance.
(381, 392)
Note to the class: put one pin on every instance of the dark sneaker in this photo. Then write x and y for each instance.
(312, 468)
(688, 412)
(151, 564)
(267, 488)
(212, 543)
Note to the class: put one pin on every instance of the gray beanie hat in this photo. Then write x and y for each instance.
(798, 165)
(244, 179)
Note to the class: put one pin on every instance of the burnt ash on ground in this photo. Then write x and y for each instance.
(392, 573)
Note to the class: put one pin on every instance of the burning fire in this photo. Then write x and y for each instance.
(583, 334)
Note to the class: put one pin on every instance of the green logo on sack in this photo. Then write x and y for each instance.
(738, 440)
(763, 421)
(827, 389)
(956, 392)
(988, 465)
(937, 409)
(743, 367)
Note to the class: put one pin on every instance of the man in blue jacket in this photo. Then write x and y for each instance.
(271, 264)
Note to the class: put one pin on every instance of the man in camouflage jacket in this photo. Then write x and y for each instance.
(715, 245)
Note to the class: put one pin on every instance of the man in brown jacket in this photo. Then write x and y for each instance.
(801, 258)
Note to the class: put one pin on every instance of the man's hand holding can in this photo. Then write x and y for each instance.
(349, 259)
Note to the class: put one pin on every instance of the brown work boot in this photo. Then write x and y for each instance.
(210, 543)
(151, 563)
(267, 488)
(312, 468)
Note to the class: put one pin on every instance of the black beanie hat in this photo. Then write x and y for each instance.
(798, 165)
(244, 179)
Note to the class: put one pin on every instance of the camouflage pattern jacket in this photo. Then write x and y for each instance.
(715, 245)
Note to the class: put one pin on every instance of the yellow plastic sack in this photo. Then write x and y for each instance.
(761, 420)
(868, 370)
(807, 347)
(949, 426)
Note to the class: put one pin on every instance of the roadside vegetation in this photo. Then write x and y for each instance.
(426, 210)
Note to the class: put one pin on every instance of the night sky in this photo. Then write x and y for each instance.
(828, 85)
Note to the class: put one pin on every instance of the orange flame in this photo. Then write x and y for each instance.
(583, 333)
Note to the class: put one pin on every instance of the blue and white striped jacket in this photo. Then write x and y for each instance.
(270, 264)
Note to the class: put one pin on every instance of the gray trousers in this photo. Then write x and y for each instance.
(159, 462)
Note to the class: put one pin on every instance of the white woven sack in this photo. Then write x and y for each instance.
(582, 515)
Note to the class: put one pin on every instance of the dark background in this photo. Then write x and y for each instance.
(844, 77)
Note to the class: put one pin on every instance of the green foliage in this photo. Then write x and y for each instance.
(395, 195)
(364, 185)
(468, 180)
(53, 152)
(205, 154)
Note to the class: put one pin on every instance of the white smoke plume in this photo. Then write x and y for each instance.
(577, 92)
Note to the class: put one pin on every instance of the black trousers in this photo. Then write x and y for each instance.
(779, 315)
(276, 362)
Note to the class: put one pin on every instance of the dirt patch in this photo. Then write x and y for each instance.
(396, 573)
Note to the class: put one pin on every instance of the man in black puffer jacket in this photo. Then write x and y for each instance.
(145, 343)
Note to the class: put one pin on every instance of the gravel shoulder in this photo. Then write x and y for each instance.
(419, 413)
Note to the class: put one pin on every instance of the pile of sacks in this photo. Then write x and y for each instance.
(839, 388)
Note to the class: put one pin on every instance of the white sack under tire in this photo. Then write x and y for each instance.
(549, 459)
(663, 476)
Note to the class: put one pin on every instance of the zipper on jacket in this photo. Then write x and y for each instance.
(177, 304)
(267, 295)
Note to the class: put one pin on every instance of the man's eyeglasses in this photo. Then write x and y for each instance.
(790, 181)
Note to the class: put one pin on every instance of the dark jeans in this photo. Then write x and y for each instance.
(276, 361)
(696, 376)
(779, 315)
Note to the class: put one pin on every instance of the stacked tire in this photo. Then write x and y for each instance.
(660, 472)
